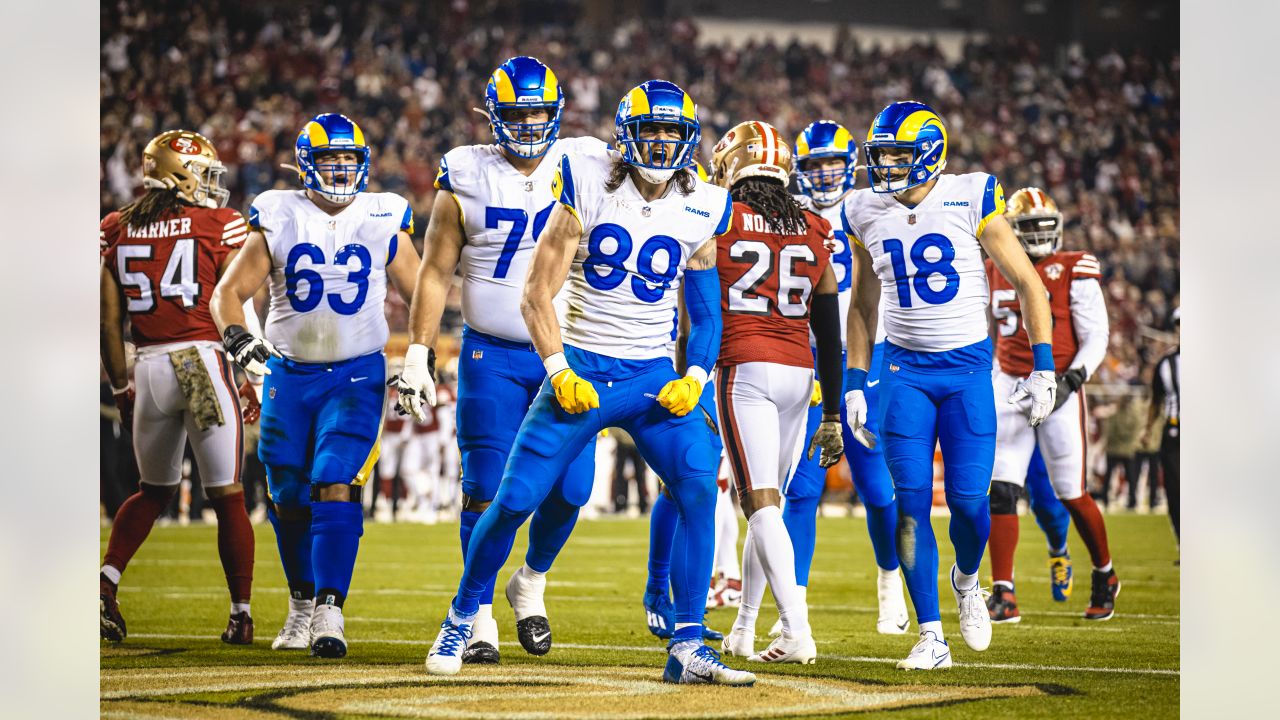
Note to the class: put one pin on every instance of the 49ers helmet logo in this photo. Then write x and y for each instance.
(185, 145)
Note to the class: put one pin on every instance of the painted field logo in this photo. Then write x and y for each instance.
(404, 691)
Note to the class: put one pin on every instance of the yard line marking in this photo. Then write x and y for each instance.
(649, 648)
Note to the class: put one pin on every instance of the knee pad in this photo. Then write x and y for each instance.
(1004, 498)
(288, 513)
(471, 504)
(482, 469)
(158, 493)
(355, 493)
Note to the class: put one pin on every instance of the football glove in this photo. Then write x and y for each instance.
(416, 383)
(828, 438)
(1041, 387)
(248, 350)
(124, 398)
(855, 405)
(252, 405)
(680, 396)
(573, 393)
(1067, 384)
(816, 398)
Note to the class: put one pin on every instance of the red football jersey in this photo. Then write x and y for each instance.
(766, 283)
(1057, 271)
(167, 270)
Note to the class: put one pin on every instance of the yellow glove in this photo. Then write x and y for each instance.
(573, 393)
(680, 396)
(816, 398)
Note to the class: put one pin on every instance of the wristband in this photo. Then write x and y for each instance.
(854, 379)
(1042, 357)
(555, 363)
(698, 374)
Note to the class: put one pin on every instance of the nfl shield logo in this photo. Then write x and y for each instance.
(271, 393)
(477, 354)
(911, 219)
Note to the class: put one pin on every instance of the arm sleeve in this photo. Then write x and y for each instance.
(1089, 316)
(824, 318)
(702, 298)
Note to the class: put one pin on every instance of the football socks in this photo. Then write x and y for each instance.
(662, 534)
(918, 553)
(549, 530)
(882, 524)
(133, 523)
(235, 545)
(777, 557)
(1084, 511)
(293, 538)
(336, 528)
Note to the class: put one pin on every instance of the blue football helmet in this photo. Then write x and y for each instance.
(524, 82)
(330, 132)
(825, 139)
(906, 125)
(657, 101)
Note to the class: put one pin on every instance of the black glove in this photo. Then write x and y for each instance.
(1069, 382)
(248, 350)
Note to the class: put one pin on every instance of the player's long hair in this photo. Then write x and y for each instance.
(618, 174)
(770, 199)
(157, 204)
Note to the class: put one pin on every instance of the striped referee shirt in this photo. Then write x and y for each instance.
(1166, 385)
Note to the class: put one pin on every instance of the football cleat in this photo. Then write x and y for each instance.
(1102, 600)
(690, 662)
(660, 614)
(1002, 606)
(726, 593)
(740, 642)
(525, 592)
(709, 634)
(239, 630)
(110, 621)
(893, 618)
(327, 640)
(445, 657)
(930, 653)
(1060, 577)
(296, 633)
(482, 648)
(785, 649)
(975, 621)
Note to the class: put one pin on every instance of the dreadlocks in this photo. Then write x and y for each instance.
(152, 207)
(770, 199)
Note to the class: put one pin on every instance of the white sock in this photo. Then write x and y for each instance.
(1004, 584)
(239, 608)
(961, 581)
(887, 574)
(456, 618)
(934, 626)
(752, 585)
(485, 613)
(302, 605)
(531, 574)
(112, 574)
(778, 558)
(1104, 568)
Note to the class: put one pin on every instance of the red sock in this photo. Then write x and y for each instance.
(235, 544)
(1002, 543)
(1088, 522)
(133, 523)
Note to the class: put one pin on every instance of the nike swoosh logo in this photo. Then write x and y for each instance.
(366, 377)
(701, 676)
(904, 625)
(540, 638)
(872, 383)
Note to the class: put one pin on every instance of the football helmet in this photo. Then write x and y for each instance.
(1036, 222)
(330, 132)
(825, 139)
(750, 149)
(524, 82)
(905, 125)
(187, 163)
(657, 101)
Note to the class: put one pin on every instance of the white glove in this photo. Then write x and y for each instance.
(248, 350)
(416, 382)
(855, 405)
(1042, 387)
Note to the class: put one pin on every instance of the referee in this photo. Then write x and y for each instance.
(1166, 398)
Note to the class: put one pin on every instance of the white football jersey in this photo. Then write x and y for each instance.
(841, 265)
(622, 287)
(329, 272)
(503, 212)
(934, 292)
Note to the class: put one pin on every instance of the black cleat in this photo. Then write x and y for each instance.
(480, 653)
(535, 635)
(1102, 600)
(1003, 605)
(110, 621)
(239, 630)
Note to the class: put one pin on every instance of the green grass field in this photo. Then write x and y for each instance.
(606, 664)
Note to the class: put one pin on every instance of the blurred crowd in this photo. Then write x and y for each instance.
(1099, 133)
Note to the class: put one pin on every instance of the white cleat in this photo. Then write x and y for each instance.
(975, 619)
(740, 642)
(296, 633)
(786, 649)
(776, 630)
(929, 653)
(327, 640)
(690, 663)
(445, 657)
(893, 619)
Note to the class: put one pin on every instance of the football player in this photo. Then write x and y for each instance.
(776, 280)
(162, 255)
(1080, 333)
(826, 156)
(328, 250)
(922, 234)
(492, 208)
(628, 229)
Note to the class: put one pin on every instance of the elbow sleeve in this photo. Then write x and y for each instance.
(702, 299)
(824, 318)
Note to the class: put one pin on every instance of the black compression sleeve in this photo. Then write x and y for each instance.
(824, 317)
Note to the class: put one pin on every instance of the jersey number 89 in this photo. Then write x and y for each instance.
(647, 283)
